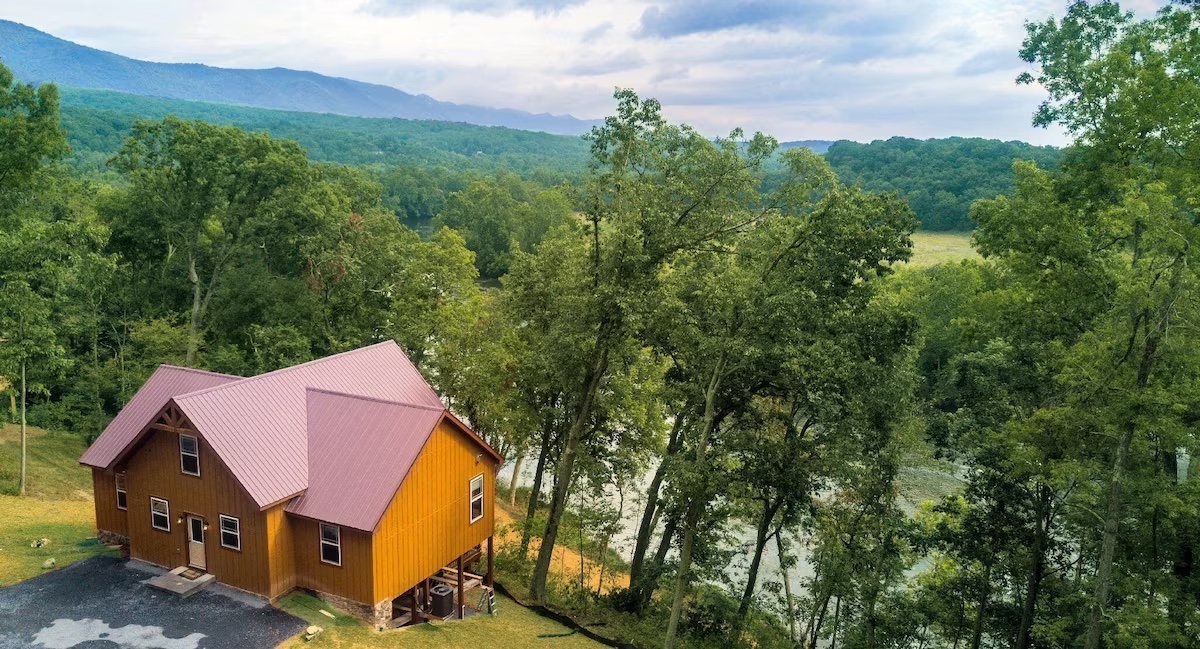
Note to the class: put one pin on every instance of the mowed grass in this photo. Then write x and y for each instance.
(54, 472)
(513, 627)
(58, 507)
(931, 248)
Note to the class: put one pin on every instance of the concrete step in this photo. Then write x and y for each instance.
(175, 582)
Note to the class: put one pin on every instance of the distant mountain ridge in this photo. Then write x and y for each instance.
(36, 57)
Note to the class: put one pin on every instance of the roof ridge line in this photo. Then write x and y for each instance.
(364, 397)
(315, 361)
(200, 371)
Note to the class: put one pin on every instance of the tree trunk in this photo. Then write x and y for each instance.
(535, 492)
(650, 575)
(512, 485)
(981, 607)
(646, 528)
(787, 586)
(760, 543)
(1108, 545)
(565, 470)
(694, 510)
(24, 398)
(837, 619)
(691, 521)
(1036, 571)
(194, 321)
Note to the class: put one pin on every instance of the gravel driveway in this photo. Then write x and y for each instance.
(102, 603)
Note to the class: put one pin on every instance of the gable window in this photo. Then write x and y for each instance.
(331, 544)
(160, 514)
(122, 495)
(476, 498)
(189, 455)
(231, 532)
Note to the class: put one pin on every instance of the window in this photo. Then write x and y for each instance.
(189, 454)
(160, 514)
(476, 498)
(122, 496)
(231, 532)
(331, 544)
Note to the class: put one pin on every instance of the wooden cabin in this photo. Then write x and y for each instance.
(345, 476)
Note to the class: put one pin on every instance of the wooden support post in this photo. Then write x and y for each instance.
(426, 599)
(491, 575)
(462, 609)
(418, 605)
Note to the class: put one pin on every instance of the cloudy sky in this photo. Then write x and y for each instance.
(797, 69)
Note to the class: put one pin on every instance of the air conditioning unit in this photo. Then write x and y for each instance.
(443, 600)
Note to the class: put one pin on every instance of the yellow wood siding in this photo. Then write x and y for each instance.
(108, 516)
(351, 580)
(427, 525)
(154, 470)
(281, 550)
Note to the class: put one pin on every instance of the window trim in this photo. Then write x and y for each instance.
(167, 506)
(471, 499)
(119, 482)
(237, 532)
(336, 544)
(183, 454)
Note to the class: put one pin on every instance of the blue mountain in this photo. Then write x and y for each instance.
(37, 57)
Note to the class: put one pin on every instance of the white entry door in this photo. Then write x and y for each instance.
(195, 529)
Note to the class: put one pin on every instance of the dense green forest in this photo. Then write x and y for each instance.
(939, 178)
(713, 335)
(98, 121)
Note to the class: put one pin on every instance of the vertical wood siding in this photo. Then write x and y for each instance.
(108, 516)
(427, 525)
(281, 550)
(154, 470)
(351, 580)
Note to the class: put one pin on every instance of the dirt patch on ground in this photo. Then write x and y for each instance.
(566, 563)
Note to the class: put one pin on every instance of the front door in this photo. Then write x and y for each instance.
(196, 542)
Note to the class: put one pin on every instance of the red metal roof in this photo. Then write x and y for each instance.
(359, 451)
(166, 382)
(258, 426)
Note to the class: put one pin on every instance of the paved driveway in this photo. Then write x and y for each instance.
(99, 603)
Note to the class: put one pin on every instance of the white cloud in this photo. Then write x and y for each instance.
(869, 70)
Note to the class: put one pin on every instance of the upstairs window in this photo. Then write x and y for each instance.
(231, 532)
(160, 514)
(331, 544)
(122, 495)
(189, 455)
(476, 498)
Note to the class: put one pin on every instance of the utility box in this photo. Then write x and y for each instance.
(443, 600)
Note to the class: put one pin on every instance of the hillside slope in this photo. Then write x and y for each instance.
(37, 57)
(940, 178)
(98, 121)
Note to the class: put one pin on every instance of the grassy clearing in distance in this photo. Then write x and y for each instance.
(931, 248)
(513, 627)
(54, 470)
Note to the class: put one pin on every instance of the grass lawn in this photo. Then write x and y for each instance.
(54, 471)
(58, 507)
(512, 627)
(931, 248)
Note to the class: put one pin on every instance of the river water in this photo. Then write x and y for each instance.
(917, 484)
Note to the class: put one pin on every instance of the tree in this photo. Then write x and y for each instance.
(1120, 87)
(30, 134)
(654, 189)
(198, 195)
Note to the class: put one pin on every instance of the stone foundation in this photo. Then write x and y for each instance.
(377, 616)
(112, 538)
